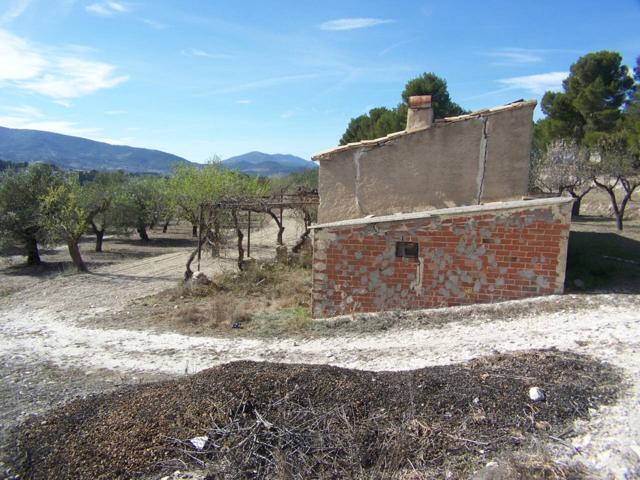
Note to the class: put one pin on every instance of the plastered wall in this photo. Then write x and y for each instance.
(484, 256)
(480, 159)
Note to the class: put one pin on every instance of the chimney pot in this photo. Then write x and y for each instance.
(420, 113)
(420, 101)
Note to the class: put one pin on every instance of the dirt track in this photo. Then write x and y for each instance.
(54, 323)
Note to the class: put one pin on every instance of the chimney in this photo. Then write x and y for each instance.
(420, 114)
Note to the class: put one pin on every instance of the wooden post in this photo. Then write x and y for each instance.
(249, 234)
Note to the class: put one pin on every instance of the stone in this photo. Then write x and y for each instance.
(199, 278)
(537, 394)
(199, 442)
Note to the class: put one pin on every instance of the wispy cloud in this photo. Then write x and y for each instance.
(537, 84)
(63, 103)
(353, 23)
(196, 52)
(154, 23)
(515, 56)
(27, 117)
(263, 83)
(288, 114)
(51, 72)
(243, 102)
(16, 8)
(393, 46)
(107, 9)
(23, 111)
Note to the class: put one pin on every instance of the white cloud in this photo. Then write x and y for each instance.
(107, 9)
(264, 83)
(537, 84)
(63, 103)
(288, 114)
(63, 127)
(515, 56)
(243, 102)
(196, 52)
(24, 111)
(352, 23)
(56, 74)
(154, 24)
(56, 126)
(16, 8)
(19, 61)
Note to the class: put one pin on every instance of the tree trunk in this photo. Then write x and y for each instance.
(303, 238)
(619, 223)
(142, 232)
(188, 274)
(575, 209)
(165, 226)
(280, 226)
(234, 215)
(74, 251)
(194, 230)
(614, 202)
(99, 233)
(33, 255)
(99, 238)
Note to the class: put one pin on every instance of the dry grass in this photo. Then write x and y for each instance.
(266, 299)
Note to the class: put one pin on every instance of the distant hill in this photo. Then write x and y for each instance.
(268, 165)
(79, 153)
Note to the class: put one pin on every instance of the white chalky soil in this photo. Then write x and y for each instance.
(57, 321)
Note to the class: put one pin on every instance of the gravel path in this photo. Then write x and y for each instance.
(52, 347)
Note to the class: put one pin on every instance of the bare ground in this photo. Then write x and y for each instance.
(52, 326)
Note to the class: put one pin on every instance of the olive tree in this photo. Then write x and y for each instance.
(64, 218)
(21, 193)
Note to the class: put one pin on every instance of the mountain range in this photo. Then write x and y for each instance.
(76, 153)
(258, 163)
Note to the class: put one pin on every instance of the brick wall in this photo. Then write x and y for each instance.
(469, 256)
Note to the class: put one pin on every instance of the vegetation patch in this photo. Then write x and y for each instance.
(267, 298)
(603, 260)
(264, 420)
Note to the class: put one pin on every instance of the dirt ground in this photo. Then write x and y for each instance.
(63, 335)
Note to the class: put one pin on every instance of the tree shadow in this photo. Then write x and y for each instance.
(156, 242)
(603, 262)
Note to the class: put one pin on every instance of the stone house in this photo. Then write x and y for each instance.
(435, 216)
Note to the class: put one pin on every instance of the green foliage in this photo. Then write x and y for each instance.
(63, 216)
(142, 203)
(306, 180)
(590, 106)
(21, 193)
(100, 197)
(431, 84)
(382, 121)
(4, 165)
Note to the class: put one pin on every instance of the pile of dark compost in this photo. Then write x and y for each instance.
(266, 420)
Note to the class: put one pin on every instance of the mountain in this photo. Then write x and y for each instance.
(268, 165)
(78, 153)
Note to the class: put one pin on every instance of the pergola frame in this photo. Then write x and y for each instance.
(273, 206)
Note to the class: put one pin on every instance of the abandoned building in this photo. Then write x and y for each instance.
(436, 216)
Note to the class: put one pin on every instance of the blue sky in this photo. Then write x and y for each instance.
(203, 78)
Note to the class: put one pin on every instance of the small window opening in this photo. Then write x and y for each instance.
(407, 249)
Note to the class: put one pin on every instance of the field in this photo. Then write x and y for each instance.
(130, 321)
